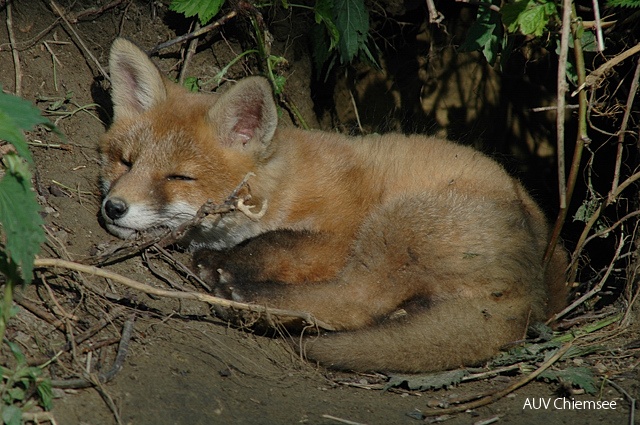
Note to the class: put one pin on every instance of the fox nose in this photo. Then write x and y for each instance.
(115, 208)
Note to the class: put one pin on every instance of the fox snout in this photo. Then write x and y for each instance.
(114, 208)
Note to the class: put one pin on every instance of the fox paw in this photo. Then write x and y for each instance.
(227, 287)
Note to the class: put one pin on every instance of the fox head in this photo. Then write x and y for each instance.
(169, 151)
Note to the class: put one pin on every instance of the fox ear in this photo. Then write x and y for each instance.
(136, 83)
(246, 114)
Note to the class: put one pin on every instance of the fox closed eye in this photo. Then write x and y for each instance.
(180, 177)
(126, 163)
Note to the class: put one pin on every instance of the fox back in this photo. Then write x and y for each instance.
(423, 254)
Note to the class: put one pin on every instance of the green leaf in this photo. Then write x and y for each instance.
(323, 10)
(352, 22)
(431, 381)
(528, 16)
(21, 112)
(16, 393)
(580, 377)
(11, 415)
(205, 9)
(17, 353)
(485, 35)
(192, 84)
(21, 221)
(45, 391)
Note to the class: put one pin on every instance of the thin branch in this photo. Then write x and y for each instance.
(592, 221)
(191, 50)
(599, 73)
(567, 186)
(560, 99)
(632, 401)
(623, 130)
(88, 13)
(194, 34)
(61, 13)
(598, 25)
(502, 393)
(198, 296)
(123, 347)
(593, 290)
(435, 16)
(14, 51)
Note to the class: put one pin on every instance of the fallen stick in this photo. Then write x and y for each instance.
(189, 295)
(502, 393)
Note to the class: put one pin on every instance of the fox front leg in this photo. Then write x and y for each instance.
(284, 256)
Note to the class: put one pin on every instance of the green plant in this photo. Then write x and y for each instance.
(22, 234)
(494, 29)
(341, 34)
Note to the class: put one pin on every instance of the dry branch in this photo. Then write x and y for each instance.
(123, 347)
(194, 34)
(502, 393)
(56, 8)
(14, 52)
(602, 70)
(198, 296)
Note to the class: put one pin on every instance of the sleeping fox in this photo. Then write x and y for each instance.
(423, 254)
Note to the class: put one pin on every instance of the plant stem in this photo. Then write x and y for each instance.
(7, 306)
(566, 190)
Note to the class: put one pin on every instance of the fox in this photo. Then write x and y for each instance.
(420, 253)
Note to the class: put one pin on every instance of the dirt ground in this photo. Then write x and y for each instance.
(183, 366)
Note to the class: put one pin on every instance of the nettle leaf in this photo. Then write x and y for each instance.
(431, 381)
(352, 22)
(11, 415)
(17, 114)
(205, 9)
(21, 222)
(323, 10)
(580, 377)
(528, 16)
(485, 35)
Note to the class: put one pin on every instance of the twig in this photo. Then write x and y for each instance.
(632, 401)
(191, 50)
(24, 45)
(489, 421)
(60, 13)
(123, 347)
(592, 221)
(180, 267)
(169, 237)
(599, 73)
(596, 17)
(566, 187)
(501, 393)
(342, 421)
(435, 16)
(193, 34)
(38, 417)
(595, 289)
(14, 51)
(209, 299)
(623, 130)
(355, 110)
(37, 311)
(560, 99)
(95, 10)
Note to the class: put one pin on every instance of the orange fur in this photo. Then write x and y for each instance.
(355, 230)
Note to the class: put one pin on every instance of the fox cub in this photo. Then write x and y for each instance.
(422, 254)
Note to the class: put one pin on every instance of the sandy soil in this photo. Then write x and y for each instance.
(183, 366)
